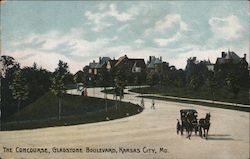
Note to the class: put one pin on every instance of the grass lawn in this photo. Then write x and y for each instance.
(75, 110)
(245, 109)
(110, 91)
(202, 93)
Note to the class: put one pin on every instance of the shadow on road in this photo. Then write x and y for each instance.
(219, 137)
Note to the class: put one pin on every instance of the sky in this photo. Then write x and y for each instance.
(78, 32)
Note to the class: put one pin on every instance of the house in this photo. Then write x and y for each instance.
(230, 61)
(92, 66)
(133, 71)
(129, 65)
(111, 64)
(209, 65)
(156, 64)
(96, 68)
(101, 65)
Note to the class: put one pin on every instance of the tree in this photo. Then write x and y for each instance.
(152, 78)
(233, 84)
(8, 68)
(58, 81)
(79, 77)
(63, 70)
(212, 83)
(19, 88)
(58, 89)
(7, 62)
(105, 82)
(38, 82)
(194, 82)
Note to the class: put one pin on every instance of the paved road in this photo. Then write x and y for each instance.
(153, 129)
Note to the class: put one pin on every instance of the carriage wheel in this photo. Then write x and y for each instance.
(181, 130)
(196, 130)
(177, 129)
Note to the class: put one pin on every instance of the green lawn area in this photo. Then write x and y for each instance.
(222, 95)
(245, 109)
(75, 110)
(110, 91)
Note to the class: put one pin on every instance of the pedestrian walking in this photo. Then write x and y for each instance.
(153, 104)
(142, 103)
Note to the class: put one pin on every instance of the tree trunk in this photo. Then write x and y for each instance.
(212, 93)
(59, 108)
(105, 96)
(18, 105)
(116, 103)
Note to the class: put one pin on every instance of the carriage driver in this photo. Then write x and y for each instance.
(191, 117)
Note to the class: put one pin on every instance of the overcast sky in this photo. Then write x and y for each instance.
(81, 31)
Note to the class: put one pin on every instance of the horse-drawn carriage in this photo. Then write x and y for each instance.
(190, 123)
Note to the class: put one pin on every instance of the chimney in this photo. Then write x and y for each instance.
(100, 58)
(150, 58)
(223, 54)
(160, 58)
(93, 61)
(245, 56)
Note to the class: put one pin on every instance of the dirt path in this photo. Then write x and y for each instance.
(148, 131)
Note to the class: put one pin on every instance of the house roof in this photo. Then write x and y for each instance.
(232, 56)
(157, 61)
(121, 59)
(138, 62)
(154, 61)
(130, 62)
(92, 64)
(113, 62)
(104, 60)
(100, 64)
(151, 65)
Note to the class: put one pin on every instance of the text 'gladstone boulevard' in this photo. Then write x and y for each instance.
(123, 150)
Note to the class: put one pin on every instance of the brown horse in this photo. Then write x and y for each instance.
(204, 124)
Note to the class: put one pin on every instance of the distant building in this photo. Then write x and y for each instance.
(209, 65)
(92, 66)
(156, 64)
(96, 67)
(230, 61)
(101, 65)
(111, 64)
(129, 65)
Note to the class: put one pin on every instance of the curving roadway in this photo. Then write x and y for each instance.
(148, 131)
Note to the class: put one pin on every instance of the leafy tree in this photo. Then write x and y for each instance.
(7, 62)
(212, 83)
(194, 82)
(39, 82)
(60, 78)
(233, 84)
(19, 88)
(63, 70)
(196, 72)
(105, 78)
(79, 77)
(120, 79)
(58, 89)
(119, 85)
(152, 78)
(8, 68)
